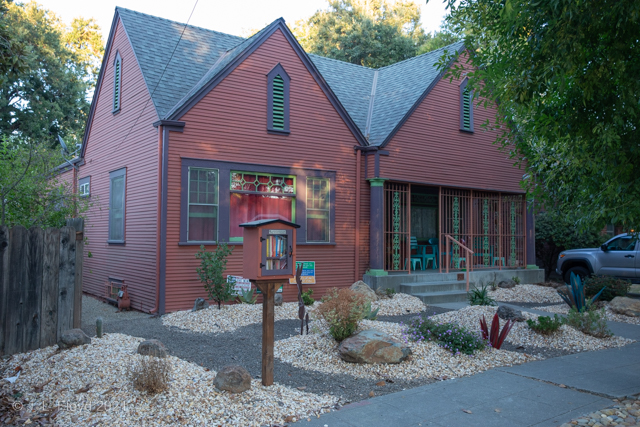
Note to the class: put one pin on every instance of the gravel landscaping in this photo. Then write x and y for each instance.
(621, 413)
(526, 294)
(90, 386)
(615, 317)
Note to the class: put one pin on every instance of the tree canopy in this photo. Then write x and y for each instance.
(46, 91)
(566, 78)
(372, 33)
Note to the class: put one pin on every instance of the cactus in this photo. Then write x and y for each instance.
(99, 327)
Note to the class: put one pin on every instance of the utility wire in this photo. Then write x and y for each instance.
(161, 75)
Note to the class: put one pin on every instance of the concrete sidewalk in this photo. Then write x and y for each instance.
(522, 395)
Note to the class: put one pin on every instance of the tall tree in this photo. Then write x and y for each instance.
(48, 95)
(446, 36)
(566, 74)
(373, 33)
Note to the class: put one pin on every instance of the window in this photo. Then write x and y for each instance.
(202, 225)
(117, 192)
(623, 243)
(278, 100)
(117, 82)
(466, 107)
(256, 196)
(84, 187)
(318, 210)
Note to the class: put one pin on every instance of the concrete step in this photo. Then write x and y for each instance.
(426, 287)
(442, 297)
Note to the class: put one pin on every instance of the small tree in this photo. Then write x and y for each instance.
(212, 266)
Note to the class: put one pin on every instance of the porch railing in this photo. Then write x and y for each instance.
(468, 259)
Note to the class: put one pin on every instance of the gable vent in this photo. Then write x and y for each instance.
(117, 73)
(278, 102)
(466, 109)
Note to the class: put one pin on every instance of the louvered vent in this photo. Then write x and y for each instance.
(278, 102)
(116, 85)
(466, 109)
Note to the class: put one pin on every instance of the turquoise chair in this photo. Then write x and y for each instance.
(421, 255)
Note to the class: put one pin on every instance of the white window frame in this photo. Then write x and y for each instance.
(217, 205)
(84, 186)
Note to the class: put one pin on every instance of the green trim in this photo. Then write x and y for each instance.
(235, 239)
(377, 182)
(378, 273)
(532, 267)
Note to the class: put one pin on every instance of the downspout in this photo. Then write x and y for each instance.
(155, 309)
(357, 245)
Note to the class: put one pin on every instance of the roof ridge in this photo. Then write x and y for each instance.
(180, 23)
(418, 56)
(341, 61)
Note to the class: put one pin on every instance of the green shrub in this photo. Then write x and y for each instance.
(390, 292)
(342, 310)
(516, 280)
(212, 267)
(368, 313)
(591, 322)
(613, 287)
(480, 296)
(545, 325)
(450, 336)
(306, 297)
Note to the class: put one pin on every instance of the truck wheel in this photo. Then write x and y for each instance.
(578, 271)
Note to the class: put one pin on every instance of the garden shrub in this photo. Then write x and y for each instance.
(591, 322)
(150, 374)
(449, 336)
(342, 310)
(545, 325)
(480, 296)
(306, 297)
(212, 267)
(613, 287)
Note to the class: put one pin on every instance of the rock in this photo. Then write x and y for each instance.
(372, 346)
(626, 306)
(73, 337)
(233, 378)
(507, 284)
(152, 348)
(364, 289)
(277, 299)
(200, 304)
(508, 313)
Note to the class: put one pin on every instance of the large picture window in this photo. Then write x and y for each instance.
(202, 225)
(255, 196)
(117, 190)
(318, 210)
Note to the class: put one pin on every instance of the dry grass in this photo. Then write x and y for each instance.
(150, 374)
(342, 310)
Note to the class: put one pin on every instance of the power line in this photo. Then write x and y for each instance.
(161, 75)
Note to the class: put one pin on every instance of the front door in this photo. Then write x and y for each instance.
(620, 257)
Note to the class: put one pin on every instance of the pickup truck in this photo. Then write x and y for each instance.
(619, 257)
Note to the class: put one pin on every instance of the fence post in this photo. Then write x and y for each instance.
(4, 277)
(66, 279)
(33, 303)
(50, 273)
(16, 289)
(78, 224)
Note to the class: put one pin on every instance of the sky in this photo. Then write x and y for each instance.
(235, 17)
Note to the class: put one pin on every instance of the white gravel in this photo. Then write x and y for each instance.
(191, 399)
(232, 317)
(318, 352)
(566, 338)
(526, 293)
(611, 315)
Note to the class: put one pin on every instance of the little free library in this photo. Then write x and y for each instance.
(379, 168)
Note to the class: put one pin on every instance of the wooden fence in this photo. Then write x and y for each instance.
(40, 285)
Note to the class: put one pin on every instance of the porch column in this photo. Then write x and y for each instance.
(376, 228)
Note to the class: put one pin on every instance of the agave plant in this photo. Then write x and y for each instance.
(575, 294)
(247, 296)
(495, 337)
(370, 314)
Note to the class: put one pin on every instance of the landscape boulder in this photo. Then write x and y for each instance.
(200, 304)
(372, 346)
(152, 348)
(73, 337)
(277, 299)
(625, 306)
(364, 289)
(507, 284)
(233, 378)
(508, 313)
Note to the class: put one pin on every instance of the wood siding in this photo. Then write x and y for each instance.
(108, 150)
(230, 124)
(430, 148)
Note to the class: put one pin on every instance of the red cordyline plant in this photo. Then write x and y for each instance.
(495, 337)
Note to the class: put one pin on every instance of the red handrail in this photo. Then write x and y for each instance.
(468, 259)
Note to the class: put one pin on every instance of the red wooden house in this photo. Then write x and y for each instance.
(234, 130)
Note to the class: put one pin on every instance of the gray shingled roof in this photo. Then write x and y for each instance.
(202, 54)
